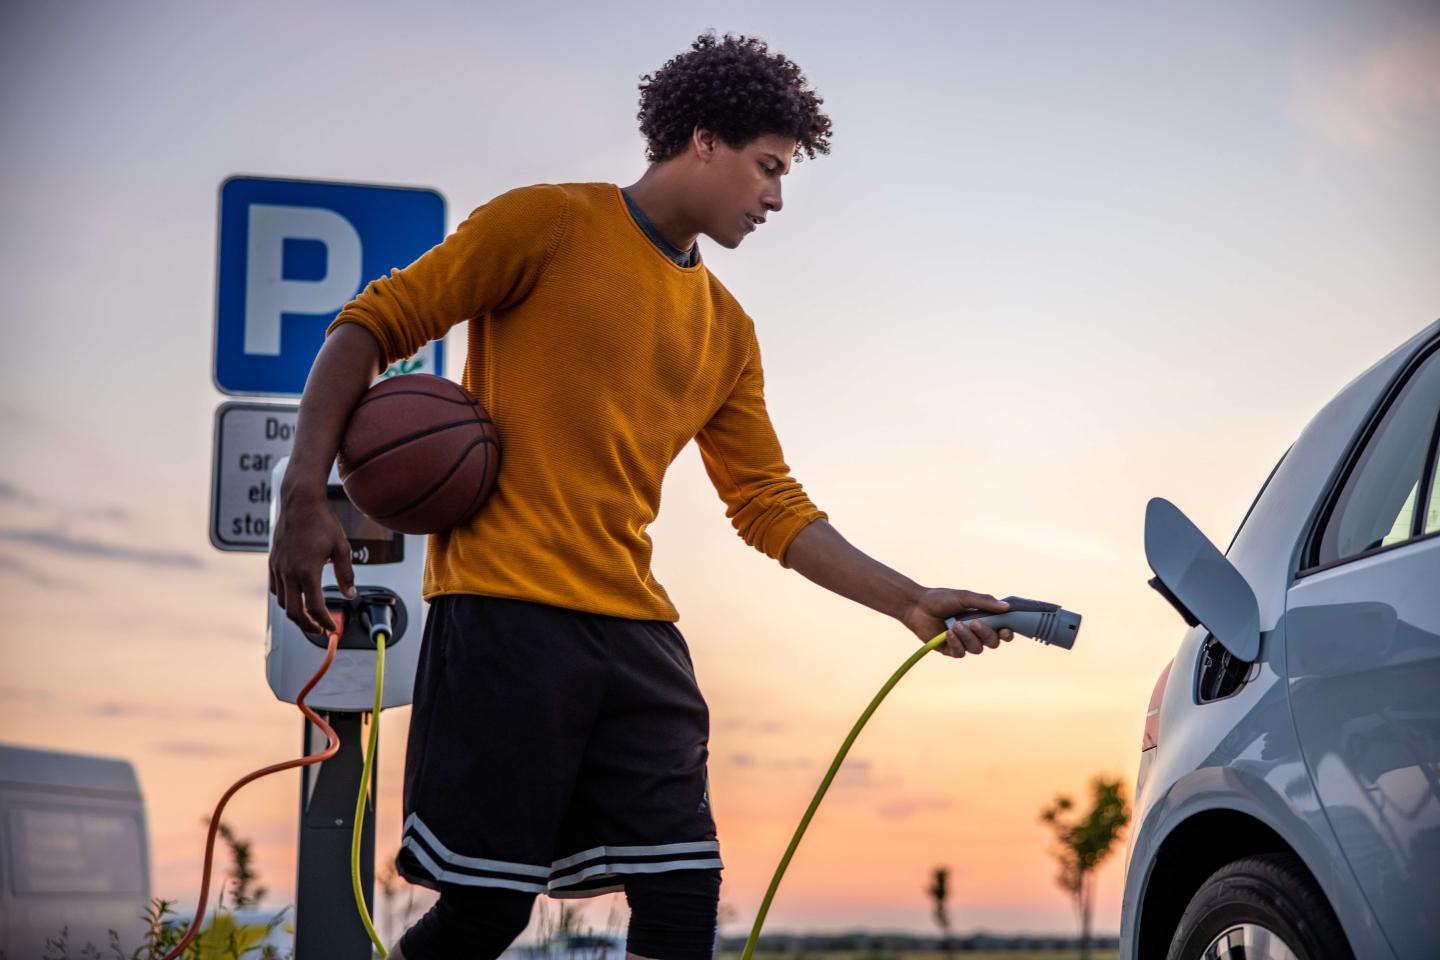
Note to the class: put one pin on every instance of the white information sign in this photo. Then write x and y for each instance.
(250, 438)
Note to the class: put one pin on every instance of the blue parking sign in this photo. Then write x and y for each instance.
(292, 253)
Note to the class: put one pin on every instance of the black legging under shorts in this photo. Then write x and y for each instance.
(672, 917)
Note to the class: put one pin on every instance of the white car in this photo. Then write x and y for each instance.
(74, 851)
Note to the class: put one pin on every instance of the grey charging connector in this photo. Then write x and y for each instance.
(1046, 622)
(376, 615)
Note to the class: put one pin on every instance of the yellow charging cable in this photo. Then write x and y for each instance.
(382, 638)
(825, 785)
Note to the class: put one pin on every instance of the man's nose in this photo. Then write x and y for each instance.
(772, 201)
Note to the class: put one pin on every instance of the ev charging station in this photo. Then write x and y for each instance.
(388, 568)
(290, 254)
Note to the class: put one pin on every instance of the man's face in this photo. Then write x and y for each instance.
(740, 187)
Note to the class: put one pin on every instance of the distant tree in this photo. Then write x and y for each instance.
(563, 922)
(939, 890)
(569, 923)
(390, 889)
(245, 893)
(388, 880)
(1084, 841)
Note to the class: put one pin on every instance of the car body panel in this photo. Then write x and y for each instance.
(1238, 754)
(1363, 653)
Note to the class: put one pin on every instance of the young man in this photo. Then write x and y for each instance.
(558, 737)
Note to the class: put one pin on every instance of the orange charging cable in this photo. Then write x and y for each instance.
(326, 754)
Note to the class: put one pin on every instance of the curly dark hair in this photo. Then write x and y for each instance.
(734, 87)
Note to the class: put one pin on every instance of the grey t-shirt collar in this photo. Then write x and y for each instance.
(685, 258)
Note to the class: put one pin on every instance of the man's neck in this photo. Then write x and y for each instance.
(659, 193)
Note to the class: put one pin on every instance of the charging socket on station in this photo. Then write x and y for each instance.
(354, 620)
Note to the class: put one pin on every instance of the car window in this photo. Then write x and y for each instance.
(1432, 516)
(1377, 506)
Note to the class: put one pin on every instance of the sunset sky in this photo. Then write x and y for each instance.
(1064, 258)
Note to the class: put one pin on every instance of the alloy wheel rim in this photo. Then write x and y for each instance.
(1248, 941)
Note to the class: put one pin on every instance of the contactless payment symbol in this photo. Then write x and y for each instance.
(292, 253)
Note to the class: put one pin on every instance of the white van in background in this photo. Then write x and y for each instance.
(74, 851)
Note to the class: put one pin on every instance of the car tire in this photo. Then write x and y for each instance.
(1269, 900)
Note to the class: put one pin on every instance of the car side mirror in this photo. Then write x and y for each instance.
(1199, 582)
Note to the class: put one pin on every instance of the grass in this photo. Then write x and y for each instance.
(958, 955)
(221, 939)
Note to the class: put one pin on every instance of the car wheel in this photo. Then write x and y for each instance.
(1259, 908)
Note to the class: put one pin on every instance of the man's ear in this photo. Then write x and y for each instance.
(704, 143)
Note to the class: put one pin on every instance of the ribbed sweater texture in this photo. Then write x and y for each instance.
(599, 359)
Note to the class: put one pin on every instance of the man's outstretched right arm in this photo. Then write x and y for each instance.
(307, 534)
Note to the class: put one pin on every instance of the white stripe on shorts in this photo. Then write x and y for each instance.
(479, 863)
(653, 850)
(466, 879)
(600, 869)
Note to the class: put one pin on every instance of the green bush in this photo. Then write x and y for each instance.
(221, 939)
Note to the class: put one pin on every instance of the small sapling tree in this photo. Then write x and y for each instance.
(1083, 841)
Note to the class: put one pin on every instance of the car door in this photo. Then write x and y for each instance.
(1362, 627)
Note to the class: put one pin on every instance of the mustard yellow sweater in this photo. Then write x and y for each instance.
(599, 359)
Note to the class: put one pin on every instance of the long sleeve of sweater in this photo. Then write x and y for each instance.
(742, 455)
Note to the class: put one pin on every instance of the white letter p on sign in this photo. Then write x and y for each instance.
(268, 294)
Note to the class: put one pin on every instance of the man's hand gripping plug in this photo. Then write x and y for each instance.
(926, 619)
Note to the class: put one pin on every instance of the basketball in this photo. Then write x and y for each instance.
(419, 454)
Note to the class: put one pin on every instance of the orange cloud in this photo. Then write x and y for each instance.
(1381, 97)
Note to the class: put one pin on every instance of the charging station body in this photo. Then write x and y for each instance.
(388, 567)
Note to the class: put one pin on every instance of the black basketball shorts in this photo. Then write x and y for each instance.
(553, 751)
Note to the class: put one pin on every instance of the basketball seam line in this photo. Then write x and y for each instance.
(467, 400)
(481, 489)
(483, 441)
(393, 444)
